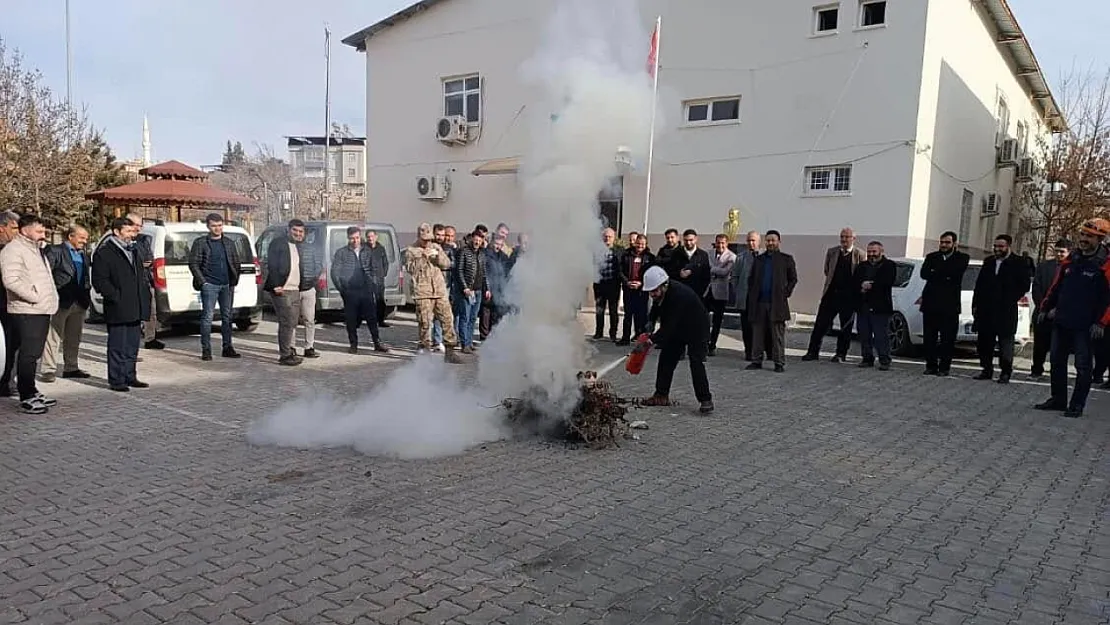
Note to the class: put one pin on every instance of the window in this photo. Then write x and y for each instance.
(826, 19)
(966, 205)
(832, 180)
(872, 13)
(1022, 139)
(179, 244)
(463, 96)
(711, 112)
(1003, 118)
(314, 155)
(350, 172)
(903, 273)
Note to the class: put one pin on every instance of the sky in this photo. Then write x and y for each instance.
(206, 71)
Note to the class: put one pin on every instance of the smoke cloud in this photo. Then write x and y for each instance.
(591, 72)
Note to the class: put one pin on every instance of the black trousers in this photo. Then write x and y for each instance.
(1102, 356)
(833, 306)
(989, 336)
(716, 310)
(11, 345)
(357, 309)
(940, 339)
(635, 312)
(607, 295)
(749, 343)
(1042, 343)
(669, 358)
(123, 352)
(32, 331)
(379, 302)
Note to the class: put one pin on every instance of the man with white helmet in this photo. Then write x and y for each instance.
(683, 327)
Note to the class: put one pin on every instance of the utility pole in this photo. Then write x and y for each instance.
(69, 65)
(326, 212)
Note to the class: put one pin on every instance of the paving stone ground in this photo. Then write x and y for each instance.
(827, 494)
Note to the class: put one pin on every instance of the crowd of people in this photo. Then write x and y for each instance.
(674, 299)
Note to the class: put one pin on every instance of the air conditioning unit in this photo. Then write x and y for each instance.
(433, 188)
(1008, 152)
(452, 130)
(989, 205)
(1027, 170)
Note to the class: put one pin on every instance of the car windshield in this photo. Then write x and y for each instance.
(970, 277)
(178, 245)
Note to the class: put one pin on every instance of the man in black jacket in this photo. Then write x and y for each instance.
(379, 261)
(874, 279)
(683, 327)
(695, 264)
(943, 273)
(1043, 276)
(284, 281)
(118, 275)
(144, 245)
(215, 265)
(352, 273)
(633, 264)
(9, 228)
(71, 266)
(668, 257)
(1002, 283)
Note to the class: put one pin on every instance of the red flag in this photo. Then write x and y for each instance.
(653, 55)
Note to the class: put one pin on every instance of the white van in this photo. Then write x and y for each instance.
(177, 303)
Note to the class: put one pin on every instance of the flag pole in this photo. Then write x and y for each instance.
(658, 39)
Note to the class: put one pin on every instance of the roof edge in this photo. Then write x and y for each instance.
(1027, 69)
(358, 40)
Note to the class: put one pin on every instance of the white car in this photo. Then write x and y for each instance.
(906, 326)
(177, 303)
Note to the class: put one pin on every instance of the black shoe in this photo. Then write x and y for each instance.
(624, 342)
(6, 391)
(780, 369)
(229, 352)
(754, 366)
(48, 378)
(884, 366)
(1051, 405)
(706, 407)
(311, 353)
(613, 338)
(838, 358)
(943, 373)
(77, 374)
(381, 348)
(809, 357)
(1073, 413)
(1004, 378)
(290, 361)
(121, 388)
(929, 371)
(138, 384)
(206, 354)
(597, 336)
(865, 364)
(984, 375)
(352, 349)
(1096, 379)
(383, 324)
(712, 351)
(1104, 386)
(1036, 374)
(155, 344)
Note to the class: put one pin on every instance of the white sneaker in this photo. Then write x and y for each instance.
(46, 401)
(421, 351)
(438, 347)
(33, 406)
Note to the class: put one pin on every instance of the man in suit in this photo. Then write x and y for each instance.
(839, 297)
(1002, 282)
(773, 278)
(874, 284)
(943, 273)
(633, 264)
(716, 294)
(694, 262)
(119, 276)
(71, 266)
(741, 273)
(1043, 277)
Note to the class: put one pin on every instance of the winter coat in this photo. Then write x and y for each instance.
(1080, 293)
(28, 278)
(70, 290)
(995, 303)
(683, 321)
(424, 266)
(879, 299)
(122, 282)
(720, 273)
(353, 275)
(200, 256)
(943, 292)
(784, 272)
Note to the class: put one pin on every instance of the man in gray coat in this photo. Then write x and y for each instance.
(741, 271)
(1043, 277)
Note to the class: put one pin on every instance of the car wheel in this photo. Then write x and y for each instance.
(898, 332)
(246, 325)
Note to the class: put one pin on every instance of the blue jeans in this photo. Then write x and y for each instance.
(1064, 343)
(437, 332)
(873, 336)
(209, 295)
(466, 313)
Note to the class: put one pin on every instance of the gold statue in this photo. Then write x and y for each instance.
(732, 226)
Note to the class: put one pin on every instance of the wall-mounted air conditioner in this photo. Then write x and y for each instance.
(452, 130)
(433, 187)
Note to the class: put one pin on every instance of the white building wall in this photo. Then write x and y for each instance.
(964, 75)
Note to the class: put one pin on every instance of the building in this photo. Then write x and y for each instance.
(347, 172)
(900, 119)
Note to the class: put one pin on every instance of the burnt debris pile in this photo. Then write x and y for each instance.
(598, 418)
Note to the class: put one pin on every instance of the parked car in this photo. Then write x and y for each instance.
(176, 301)
(325, 238)
(906, 325)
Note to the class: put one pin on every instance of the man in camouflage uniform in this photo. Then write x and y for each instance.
(425, 261)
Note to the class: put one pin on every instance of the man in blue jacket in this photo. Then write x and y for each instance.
(1078, 303)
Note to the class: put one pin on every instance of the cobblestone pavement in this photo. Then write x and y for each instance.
(827, 494)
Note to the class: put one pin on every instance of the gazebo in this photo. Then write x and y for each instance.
(173, 191)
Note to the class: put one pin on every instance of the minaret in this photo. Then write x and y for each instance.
(146, 143)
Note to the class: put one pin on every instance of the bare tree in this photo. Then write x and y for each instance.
(1075, 183)
(261, 176)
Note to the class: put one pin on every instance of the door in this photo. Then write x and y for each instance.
(611, 204)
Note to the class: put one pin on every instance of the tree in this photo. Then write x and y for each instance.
(1075, 183)
(50, 156)
(261, 176)
(233, 155)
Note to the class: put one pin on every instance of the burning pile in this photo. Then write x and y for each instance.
(597, 420)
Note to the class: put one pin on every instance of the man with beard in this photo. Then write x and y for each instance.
(669, 256)
(1078, 304)
(695, 264)
(683, 327)
(352, 273)
(770, 286)
(424, 264)
(874, 280)
(839, 297)
(633, 264)
(1043, 277)
(943, 273)
(1002, 282)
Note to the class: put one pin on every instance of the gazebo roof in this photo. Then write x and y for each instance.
(172, 192)
(174, 170)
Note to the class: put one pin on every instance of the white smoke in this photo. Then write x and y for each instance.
(591, 70)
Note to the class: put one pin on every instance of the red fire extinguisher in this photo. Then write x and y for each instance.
(639, 355)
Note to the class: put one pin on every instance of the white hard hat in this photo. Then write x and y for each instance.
(654, 278)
